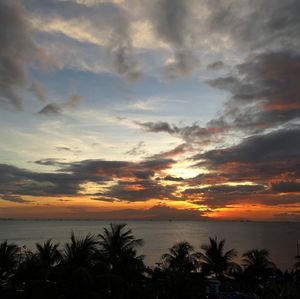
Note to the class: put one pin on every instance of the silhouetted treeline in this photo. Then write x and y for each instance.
(107, 266)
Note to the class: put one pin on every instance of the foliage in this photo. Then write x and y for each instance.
(213, 258)
(109, 267)
(9, 255)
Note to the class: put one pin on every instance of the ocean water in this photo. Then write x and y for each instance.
(279, 237)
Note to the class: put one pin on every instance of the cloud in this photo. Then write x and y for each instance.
(19, 181)
(216, 196)
(178, 150)
(286, 187)
(157, 212)
(39, 91)
(18, 50)
(225, 189)
(13, 198)
(119, 169)
(190, 30)
(69, 178)
(174, 179)
(171, 20)
(264, 95)
(74, 150)
(183, 63)
(191, 134)
(215, 66)
(269, 161)
(50, 162)
(124, 60)
(106, 25)
(57, 109)
(280, 145)
(264, 91)
(138, 149)
(159, 127)
(275, 25)
(51, 110)
(138, 190)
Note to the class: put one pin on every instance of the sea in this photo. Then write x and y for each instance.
(280, 238)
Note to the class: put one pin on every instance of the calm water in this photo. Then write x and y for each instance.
(279, 238)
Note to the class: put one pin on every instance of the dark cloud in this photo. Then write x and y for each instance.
(216, 196)
(17, 51)
(190, 134)
(69, 177)
(219, 196)
(13, 198)
(50, 162)
(74, 150)
(264, 94)
(256, 24)
(19, 181)
(63, 148)
(172, 178)
(286, 187)
(270, 161)
(219, 200)
(124, 61)
(105, 16)
(139, 190)
(119, 169)
(171, 20)
(57, 109)
(159, 127)
(138, 149)
(225, 189)
(184, 63)
(280, 145)
(52, 109)
(215, 66)
(264, 91)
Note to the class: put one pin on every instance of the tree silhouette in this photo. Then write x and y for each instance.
(109, 267)
(9, 257)
(258, 268)
(48, 256)
(181, 258)
(48, 253)
(213, 258)
(118, 248)
(80, 252)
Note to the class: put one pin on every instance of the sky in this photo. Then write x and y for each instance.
(163, 109)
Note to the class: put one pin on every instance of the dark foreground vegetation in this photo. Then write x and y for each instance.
(107, 266)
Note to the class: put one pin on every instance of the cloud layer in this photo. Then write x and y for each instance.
(240, 148)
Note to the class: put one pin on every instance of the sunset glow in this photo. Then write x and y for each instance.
(127, 110)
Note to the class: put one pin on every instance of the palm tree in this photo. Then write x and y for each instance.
(179, 278)
(214, 260)
(48, 255)
(118, 247)
(258, 267)
(181, 258)
(9, 257)
(80, 252)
